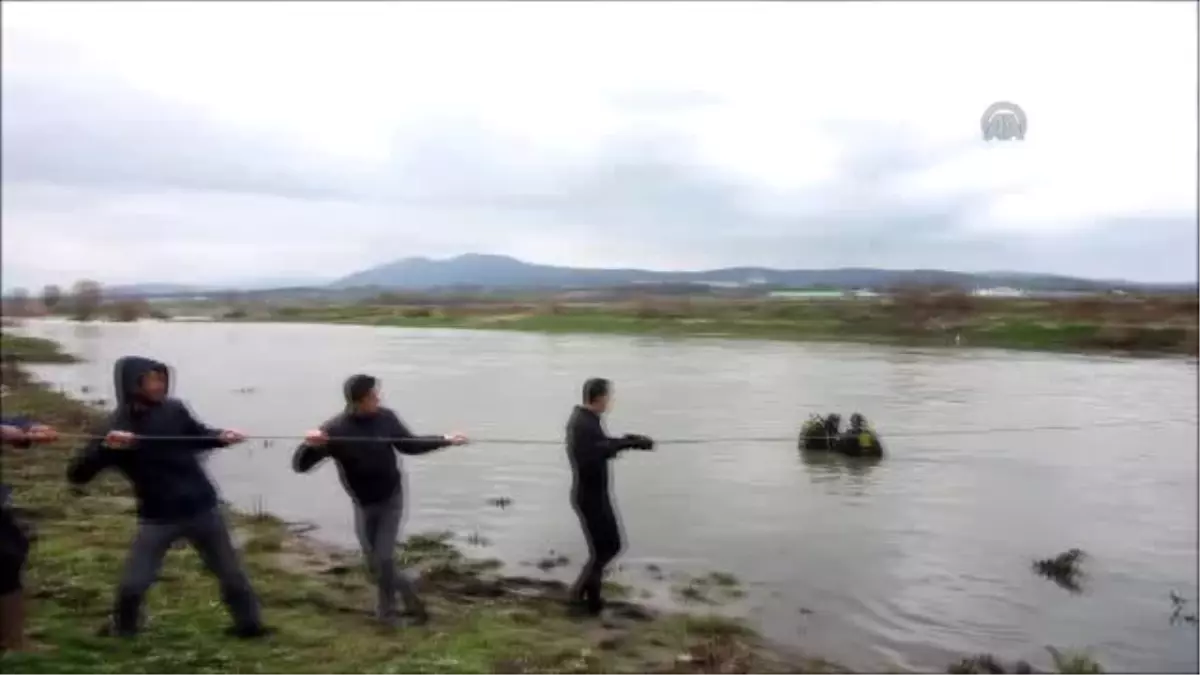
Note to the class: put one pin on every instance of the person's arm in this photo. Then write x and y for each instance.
(314, 449)
(201, 437)
(16, 431)
(411, 443)
(591, 438)
(93, 458)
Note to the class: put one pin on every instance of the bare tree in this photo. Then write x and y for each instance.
(51, 297)
(86, 297)
(130, 309)
(18, 302)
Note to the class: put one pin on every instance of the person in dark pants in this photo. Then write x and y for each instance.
(363, 441)
(157, 444)
(14, 541)
(589, 448)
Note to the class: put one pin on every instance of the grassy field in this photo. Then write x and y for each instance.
(16, 348)
(316, 598)
(1152, 326)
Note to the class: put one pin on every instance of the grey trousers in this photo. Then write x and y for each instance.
(209, 535)
(378, 528)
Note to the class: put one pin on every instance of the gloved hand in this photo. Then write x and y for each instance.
(639, 442)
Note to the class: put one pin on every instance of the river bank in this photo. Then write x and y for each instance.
(318, 597)
(1147, 326)
(314, 595)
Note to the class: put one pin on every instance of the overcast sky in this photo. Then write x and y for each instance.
(237, 141)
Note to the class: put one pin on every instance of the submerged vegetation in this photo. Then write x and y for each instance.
(1063, 569)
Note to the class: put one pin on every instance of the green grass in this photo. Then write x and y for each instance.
(316, 598)
(19, 349)
(1027, 326)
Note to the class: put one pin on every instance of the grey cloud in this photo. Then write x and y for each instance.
(75, 127)
(456, 185)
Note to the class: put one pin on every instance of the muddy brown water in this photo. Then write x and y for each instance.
(912, 562)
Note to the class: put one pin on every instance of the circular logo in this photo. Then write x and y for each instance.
(1004, 121)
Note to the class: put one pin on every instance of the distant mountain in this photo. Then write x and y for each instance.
(498, 272)
(494, 271)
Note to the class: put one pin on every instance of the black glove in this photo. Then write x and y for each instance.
(639, 442)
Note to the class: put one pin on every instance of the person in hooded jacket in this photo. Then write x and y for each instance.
(156, 442)
(363, 441)
(589, 450)
(17, 432)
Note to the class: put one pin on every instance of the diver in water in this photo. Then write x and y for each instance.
(589, 449)
(363, 441)
(860, 440)
(157, 444)
(820, 433)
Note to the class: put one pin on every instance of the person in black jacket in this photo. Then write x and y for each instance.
(363, 441)
(14, 539)
(589, 448)
(156, 443)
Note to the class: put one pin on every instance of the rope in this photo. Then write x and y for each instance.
(1133, 424)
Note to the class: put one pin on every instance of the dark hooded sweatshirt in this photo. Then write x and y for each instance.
(168, 480)
(367, 465)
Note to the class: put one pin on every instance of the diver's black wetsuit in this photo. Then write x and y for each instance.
(589, 450)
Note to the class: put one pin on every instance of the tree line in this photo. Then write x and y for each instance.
(84, 302)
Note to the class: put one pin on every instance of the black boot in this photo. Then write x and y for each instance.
(593, 601)
(126, 619)
(248, 632)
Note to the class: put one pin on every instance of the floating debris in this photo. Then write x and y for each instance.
(500, 502)
(701, 589)
(300, 528)
(552, 561)
(476, 539)
(986, 663)
(1179, 611)
(1063, 569)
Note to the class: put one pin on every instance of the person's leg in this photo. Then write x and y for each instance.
(14, 550)
(363, 532)
(393, 579)
(606, 544)
(367, 522)
(586, 516)
(150, 546)
(210, 537)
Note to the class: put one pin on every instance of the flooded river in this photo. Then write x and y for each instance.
(909, 563)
